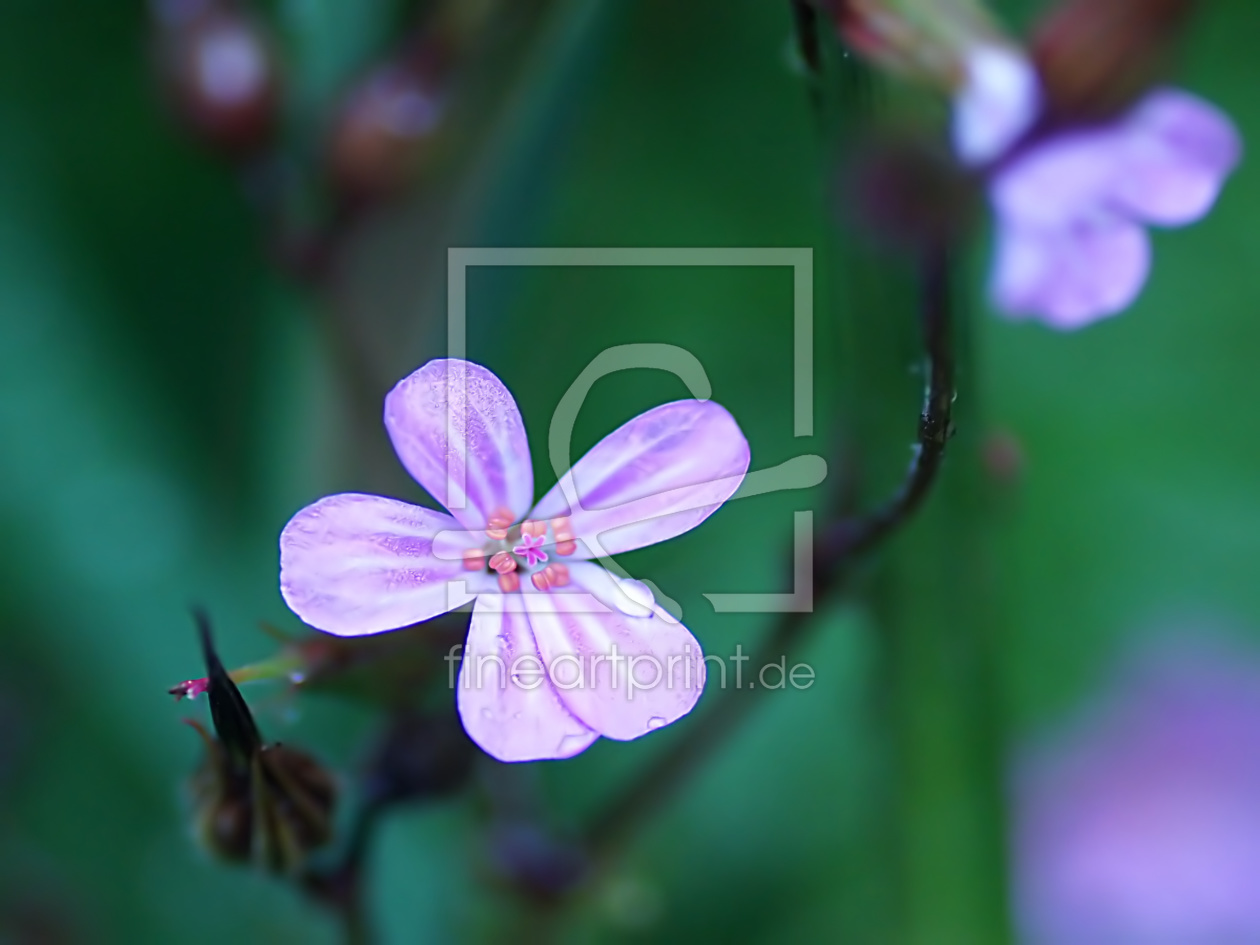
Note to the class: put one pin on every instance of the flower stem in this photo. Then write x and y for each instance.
(842, 545)
(938, 714)
(849, 537)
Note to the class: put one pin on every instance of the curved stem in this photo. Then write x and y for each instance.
(843, 543)
(847, 538)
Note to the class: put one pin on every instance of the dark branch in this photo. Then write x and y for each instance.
(844, 542)
(847, 538)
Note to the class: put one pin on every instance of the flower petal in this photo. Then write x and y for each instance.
(594, 645)
(1057, 181)
(458, 431)
(507, 704)
(659, 475)
(998, 101)
(352, 564)
(1178, 151)
(1070, 276)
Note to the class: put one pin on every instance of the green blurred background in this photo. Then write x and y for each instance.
(169, 397)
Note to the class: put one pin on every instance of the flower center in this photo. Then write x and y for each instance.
(531, 548)
(512, 550)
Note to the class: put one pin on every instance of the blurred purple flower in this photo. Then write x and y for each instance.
(1072, 207)
(545, 670)
(1144, 827)
(998, 101)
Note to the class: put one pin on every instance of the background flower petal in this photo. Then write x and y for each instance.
(458, 431)
(1071, 276)
(998, 101)
(657, 476)
(580, 626)
(508, 716)
(352, 564)
(1178, 151)
(1061, 179)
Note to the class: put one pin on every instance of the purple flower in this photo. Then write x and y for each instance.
(1143, 828)
(557, 653)
(998, 101)
(1072, 207)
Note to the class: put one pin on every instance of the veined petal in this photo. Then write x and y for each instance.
(1070, 276)
(353, 564)
(659, 475)
(458, 431)
(507, 704)
(1178, 151)
(622, 675)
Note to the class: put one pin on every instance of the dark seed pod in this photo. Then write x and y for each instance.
(294, 799)
(268, 804)
(222, 803)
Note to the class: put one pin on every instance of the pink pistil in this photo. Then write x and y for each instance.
(530, 549)
(192, 689)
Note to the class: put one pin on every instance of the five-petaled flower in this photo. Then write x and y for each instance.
(1072, 206)
(571, 653)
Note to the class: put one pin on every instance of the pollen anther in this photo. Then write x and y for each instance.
(500, 521)
(553, 575)
(503, 562)
(563, 530)
(474, 560)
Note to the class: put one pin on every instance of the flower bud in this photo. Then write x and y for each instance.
(268, 804)
(1097, 56)
(420, 756)
(220, 72)
(536, 862)
(273, 812)
(384, 130)
(905, 195)
(221, 803)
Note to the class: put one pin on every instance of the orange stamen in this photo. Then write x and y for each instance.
(563, 530)
(499, 523)
(503, 562)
